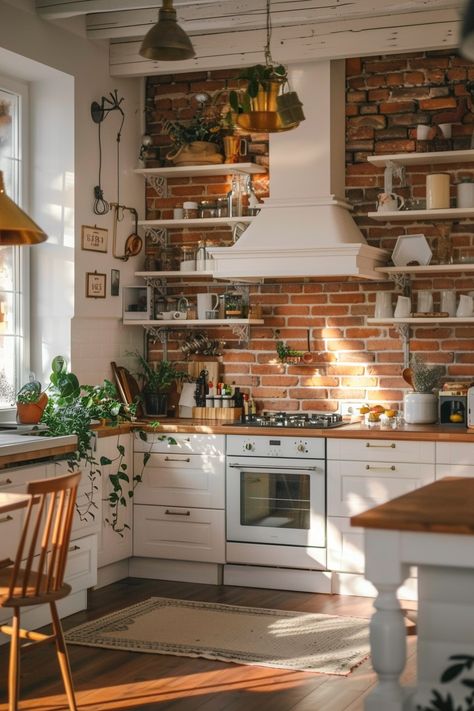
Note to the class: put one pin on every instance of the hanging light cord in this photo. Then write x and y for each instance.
(268, 53)
(119, 135)
(100, 206)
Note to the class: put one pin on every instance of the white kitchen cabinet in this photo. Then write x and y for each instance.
(362, 473)
(179, 506)
(87, 517)
(454, 459)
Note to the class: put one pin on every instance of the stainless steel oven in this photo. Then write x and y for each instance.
(276, 491)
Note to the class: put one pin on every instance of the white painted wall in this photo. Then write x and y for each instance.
(65, 171)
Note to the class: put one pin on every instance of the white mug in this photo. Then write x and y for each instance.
(448, 302)
(206, 302)
(389, 202)
(403, 307)
(422, 132)
(383, 304)
(465, 306)
(425, 302)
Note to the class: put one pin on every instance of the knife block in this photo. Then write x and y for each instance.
(218, 414)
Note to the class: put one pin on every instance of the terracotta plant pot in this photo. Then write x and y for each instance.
(30, 413)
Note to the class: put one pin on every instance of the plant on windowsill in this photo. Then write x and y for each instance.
(30, 403)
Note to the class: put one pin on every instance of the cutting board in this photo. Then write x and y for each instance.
(127, 386)
(212, 367)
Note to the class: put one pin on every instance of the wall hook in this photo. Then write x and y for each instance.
(100, 111)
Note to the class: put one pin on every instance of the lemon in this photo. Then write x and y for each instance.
(391, 413)
(364, 410)
(456, 417)
(374, 417)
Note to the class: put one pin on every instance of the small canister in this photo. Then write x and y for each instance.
(207, 208)
(465, 194)
(190, 210)
(437, 191)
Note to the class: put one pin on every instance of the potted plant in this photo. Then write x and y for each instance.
(262, 104)
(198, 141)
(421, 405)
(156, 384)
(30, 403)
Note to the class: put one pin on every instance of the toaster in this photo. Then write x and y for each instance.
(470, 408)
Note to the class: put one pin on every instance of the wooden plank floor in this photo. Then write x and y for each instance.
(106, 680)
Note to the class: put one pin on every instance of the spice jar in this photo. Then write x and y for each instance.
(221, 204)
(190, 210)
(188, 260)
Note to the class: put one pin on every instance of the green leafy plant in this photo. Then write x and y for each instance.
(284, 351)
(158, 379)
(29, 393)
(463, 662)
(258, 76)
(425, 378)
(204, 126)
(72, 409)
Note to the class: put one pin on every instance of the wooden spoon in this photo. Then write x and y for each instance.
(407, 375)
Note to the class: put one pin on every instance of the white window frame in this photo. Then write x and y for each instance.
(21, 258)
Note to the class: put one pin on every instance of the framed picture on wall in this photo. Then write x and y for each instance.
(94, 239)
(95, 285)
(114, 282)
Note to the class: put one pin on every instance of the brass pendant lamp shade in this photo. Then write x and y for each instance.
(166, 41)
(15, 225)
(466, 46)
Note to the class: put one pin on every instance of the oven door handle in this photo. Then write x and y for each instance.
(247, 468)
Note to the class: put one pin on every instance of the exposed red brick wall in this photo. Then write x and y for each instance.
(386, 98)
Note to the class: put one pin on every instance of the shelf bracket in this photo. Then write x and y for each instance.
(157, 235)
(158, 283)
(241, 330)
(159, 185)
(402, 281)
(404, 333)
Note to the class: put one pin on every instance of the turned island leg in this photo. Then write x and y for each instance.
(387, 627)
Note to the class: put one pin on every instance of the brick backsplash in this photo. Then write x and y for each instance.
(386, 98)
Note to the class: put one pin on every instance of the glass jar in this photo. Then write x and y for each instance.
(233, 305)
(190, 210)
(221, 207)
(188, 259)
(207, 208)
(168, 259)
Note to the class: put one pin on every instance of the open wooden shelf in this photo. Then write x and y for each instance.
(434, 158)
(192, 322)
(451, 213)
(453, 320)
(198, 222)
(428, 268)
(192, 171)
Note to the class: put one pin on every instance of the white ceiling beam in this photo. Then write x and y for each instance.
(330, 40)
(59, 9)
(225, 15)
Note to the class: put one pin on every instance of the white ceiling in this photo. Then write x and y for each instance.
(229, 33)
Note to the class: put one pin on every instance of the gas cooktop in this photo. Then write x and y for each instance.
(293, 419)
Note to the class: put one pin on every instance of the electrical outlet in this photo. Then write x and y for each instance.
(348, 409)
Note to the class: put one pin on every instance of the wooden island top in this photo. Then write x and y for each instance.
(446, 506)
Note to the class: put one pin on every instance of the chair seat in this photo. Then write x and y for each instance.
(20, 600)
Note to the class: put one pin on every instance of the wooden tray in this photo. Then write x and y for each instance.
(219, 414)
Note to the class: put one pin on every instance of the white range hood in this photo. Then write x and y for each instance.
(305, 228)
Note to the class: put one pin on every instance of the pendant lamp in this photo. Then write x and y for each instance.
(166, 40)
(15, 225)
(467, 32)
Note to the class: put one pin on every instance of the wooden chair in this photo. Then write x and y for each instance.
(37, 574)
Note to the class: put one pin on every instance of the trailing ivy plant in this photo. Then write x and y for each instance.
(120, 479)
(72, 409)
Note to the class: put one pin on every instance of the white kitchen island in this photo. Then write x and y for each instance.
(431, 528)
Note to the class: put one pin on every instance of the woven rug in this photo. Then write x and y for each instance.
(231, 633)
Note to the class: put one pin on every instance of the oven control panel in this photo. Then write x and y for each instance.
(261, 446)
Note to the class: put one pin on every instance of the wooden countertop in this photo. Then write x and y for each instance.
(446, 506)
(430, 433)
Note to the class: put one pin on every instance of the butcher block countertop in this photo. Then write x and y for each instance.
(431, 433)
(15, 448)
(446, 506)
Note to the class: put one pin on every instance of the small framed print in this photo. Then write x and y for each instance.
(114, 282)
(95, 285)
(94, 239)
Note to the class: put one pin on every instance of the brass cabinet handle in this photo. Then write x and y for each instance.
(6, 518)
(381, 446)
(6, 481)
(391, 469)
(173, 459)
(177, 513)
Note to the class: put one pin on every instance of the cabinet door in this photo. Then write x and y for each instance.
(114, 546)
(460, 453)
(175, 479)
(179, 533)
(354, 487)
(345, 546)
(88, 503)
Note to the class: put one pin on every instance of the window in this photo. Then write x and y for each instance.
(14, 289)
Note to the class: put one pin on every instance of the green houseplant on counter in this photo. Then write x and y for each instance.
(156, 384)
(420, 406)
(75, 409)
